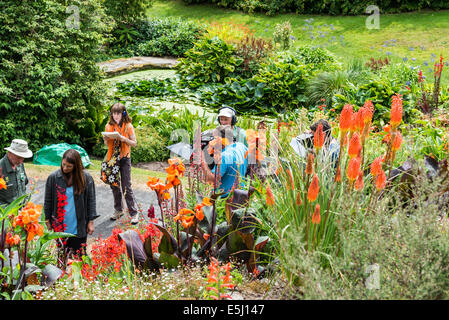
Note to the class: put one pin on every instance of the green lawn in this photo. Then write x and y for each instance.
(415, 35)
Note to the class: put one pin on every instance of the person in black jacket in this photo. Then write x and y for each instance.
(70, 204)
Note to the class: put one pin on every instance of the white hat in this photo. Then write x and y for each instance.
(20, 148)
(226, 112)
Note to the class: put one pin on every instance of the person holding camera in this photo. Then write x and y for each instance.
(227, 116)
(303, 144)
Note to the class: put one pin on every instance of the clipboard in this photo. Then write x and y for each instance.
(111, 135)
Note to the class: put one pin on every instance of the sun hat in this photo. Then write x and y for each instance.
(20, 148)
(226, 112)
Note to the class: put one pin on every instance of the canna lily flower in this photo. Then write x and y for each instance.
(359, 181)
(270, 197)
(2, 184)
(318, 137)
(12, 240)
(174, 171)
(376, 166)
(316, 218)
(156, 185)
(314, 189)
(186, 216)
(381, 180)
(354, 145)
(34, 229)
(345, 118)
(353, 169)
(396, 111)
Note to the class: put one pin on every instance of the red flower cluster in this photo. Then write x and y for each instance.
(107, 255)
(58, 224)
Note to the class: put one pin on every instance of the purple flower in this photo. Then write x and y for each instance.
(425, 63)
(405, 59)
(408, 83)
(411, 48)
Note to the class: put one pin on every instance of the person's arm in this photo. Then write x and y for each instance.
(91, 204)
(209, 177)
(132, 141)
(48, 201)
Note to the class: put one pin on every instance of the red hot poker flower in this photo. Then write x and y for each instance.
(318, 137)
(345, 118)
(354, 145)
(376, 166)
(316, 218)
(353, 168)
(314, 189)
(381, 180)
(396, 111)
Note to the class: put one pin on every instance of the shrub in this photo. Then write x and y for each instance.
(253, 51)
(50, 86)
(209, 61)
(126, 11)
(151, 146)
(157, 37)
(282, 33)
(317, 59)
(340, 7)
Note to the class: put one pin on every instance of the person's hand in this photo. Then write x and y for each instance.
(121, 138)
(90, 227)
(47, 222)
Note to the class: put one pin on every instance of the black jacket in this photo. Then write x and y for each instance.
(85, 203)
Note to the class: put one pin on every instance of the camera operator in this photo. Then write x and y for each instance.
(227, 116)
(303, 143)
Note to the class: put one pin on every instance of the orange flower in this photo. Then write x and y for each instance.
(314, 188)
(318, 137)
(270, 196)
(257, 143)
(338, 175)
(369, 110)
(298, 199)
(174, 171)
(376, 166)
(291, 182)
(354, 145)
(206, 236)
(397, 141)
(316, 218)
(186, 216)
(155, 184)
(309, 166)
(396, 111)
(381, 180)
(29, 214)
(359, 181)
(345, 118)
(353, 168)
(2, 184)
(12, 240)
(206, 201)
(34, 229)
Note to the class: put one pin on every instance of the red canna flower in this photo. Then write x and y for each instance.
(345, 118)
(376, 166)
(396, 111)
(318, 137)
(314, 188)
(353, 168)
(381, 180)
(316, 218)
(354, 145)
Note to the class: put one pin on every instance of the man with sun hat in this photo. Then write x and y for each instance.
(13, 171)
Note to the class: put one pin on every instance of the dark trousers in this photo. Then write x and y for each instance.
(78, 245)
(125, 177)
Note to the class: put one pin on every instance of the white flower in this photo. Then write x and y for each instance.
(115, 169)
(111, 179)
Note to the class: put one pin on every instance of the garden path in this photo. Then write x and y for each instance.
(105, 207)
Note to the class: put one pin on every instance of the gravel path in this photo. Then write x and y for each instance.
(105, 207)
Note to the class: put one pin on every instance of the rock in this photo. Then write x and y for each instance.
(125, 65)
